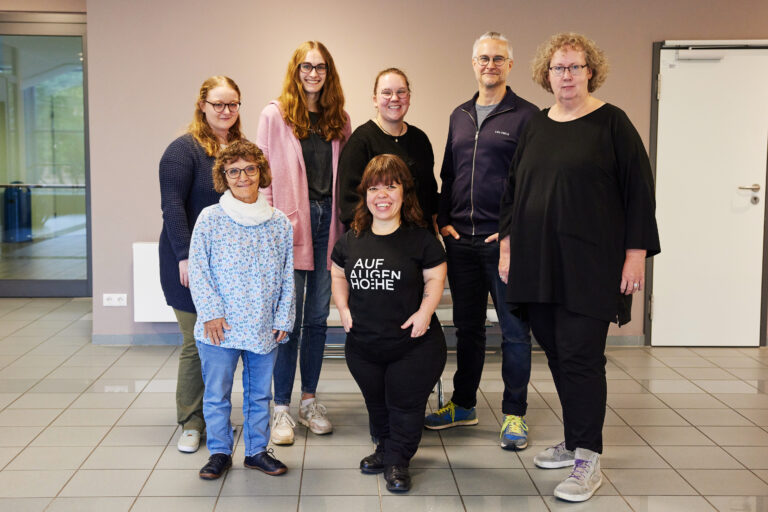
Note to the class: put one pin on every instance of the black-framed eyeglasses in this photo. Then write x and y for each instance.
(387, 93)
(307, 68)
(575, 69)
(233, 173)
(219, 106)
(498, 60)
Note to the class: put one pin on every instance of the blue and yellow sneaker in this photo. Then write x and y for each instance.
(451, 415)
(514, 433)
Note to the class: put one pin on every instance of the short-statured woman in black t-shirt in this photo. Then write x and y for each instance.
(387, 277)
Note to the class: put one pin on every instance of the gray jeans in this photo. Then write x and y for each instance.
(189, 384)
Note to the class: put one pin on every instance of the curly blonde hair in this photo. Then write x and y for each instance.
(594, 56)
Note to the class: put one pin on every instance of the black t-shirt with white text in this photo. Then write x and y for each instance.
(386, 285)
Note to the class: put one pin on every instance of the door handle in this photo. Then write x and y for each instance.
(753, 188)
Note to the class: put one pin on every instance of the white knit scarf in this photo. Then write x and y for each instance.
(244, 213)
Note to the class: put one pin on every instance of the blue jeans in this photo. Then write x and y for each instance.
(219, 364)
(312, 307)
(473, 273)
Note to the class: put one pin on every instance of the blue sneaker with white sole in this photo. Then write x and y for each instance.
(451, 415)
(514, 433)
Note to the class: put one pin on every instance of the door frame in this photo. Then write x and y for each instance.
(652, 150)
(55, 24)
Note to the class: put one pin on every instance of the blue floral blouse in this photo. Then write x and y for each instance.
(244, 274)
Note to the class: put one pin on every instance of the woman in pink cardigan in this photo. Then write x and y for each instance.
(301, 134)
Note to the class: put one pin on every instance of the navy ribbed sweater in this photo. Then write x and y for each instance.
(186, 187)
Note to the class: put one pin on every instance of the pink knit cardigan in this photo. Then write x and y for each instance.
(288, 191)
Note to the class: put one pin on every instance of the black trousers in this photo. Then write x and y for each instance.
(575, 349)
(396, 384)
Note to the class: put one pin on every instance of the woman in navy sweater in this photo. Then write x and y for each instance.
(186, 187)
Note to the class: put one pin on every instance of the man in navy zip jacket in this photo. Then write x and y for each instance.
(482, 138)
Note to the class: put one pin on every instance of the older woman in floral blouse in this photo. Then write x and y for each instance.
(241, 278)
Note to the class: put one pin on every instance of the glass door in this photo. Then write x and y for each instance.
(43, 165)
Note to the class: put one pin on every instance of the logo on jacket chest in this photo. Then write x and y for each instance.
(500, 132)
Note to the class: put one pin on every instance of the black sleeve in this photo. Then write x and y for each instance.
(434, 196)
(636, 184)
(354, 157)
(446, 176)
(177, 174)
(508, 198)
(339, 253)
(432, 252)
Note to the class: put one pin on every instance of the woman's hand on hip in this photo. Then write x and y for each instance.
(184, 273)
(279, 335)
(418, 322)
(214, 330)
(633, 273)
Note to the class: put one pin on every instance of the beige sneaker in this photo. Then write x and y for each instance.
(189, 441)
(313, 417)
(282, 427)
(585, 478)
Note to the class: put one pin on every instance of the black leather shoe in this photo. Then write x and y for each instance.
(398, 478)
(218, 463)
(372, 464)
(266, 462)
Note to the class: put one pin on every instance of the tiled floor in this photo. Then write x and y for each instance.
(90, 428)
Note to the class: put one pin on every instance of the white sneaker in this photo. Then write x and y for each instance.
(554, 457)
(282, 427)
(585, 478)
(313, 416)
(189, 441)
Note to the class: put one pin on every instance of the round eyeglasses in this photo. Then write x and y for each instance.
(233, 173)
(388, 93)
(574, 69)
(307, 68)
(498, 60)
(219, 106)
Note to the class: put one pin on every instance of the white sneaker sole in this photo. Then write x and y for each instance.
(281, 440)
(319, 432)
(513, 447)
(576, 498)
(553, 465)
(187, 448)
(460, 423)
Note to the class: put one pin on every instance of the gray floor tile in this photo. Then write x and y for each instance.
(714, 417)
(18, 436)
(335, 457)
(70, 436)
(50, 457)
(427, 482)
(669, 504)
(725, 482)
(753, 457)
(691, 401)
(634, 457)
(634, 401)
(648, 482)
(504, 503)
(24, 504)
(651, 417)
(411, 503)
(180, 482)
(33, 484)
(44, 401)
(124, 457)
(106, 482)
(50, 385)
(473, 482)
(595, 504)
(99, 504)
(103, 400)
(737, 436)
(757, 416)
(271, 503)
(139, 436)
(256, 483)
(27, 417)
(739, 503)
(466, 457)
(702, 457)
(87, 417)
(148, 417)
(175, 504)
(743, 400)
(673, 436)
(547, 479)
(338, 482)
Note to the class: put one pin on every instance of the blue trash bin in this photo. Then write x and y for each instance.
(17, 214)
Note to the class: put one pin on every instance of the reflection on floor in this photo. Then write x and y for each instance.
(85, 427)
(62, 257)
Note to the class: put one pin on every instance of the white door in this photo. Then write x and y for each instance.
(712, 144)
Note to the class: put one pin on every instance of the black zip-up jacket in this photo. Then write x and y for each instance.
(476, 163)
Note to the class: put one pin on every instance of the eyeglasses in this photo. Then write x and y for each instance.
(498, 60)
(307, 68)
(575, 69)
(387, 93)
(219, 106)
(233, 172)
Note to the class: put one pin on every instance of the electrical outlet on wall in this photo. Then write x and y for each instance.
(115, 299)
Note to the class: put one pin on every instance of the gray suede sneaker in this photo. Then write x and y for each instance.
(585, 478)
(554, 457)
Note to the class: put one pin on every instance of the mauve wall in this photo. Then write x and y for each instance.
(146, 60)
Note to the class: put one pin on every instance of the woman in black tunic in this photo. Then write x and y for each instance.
(387, 277)
(577, 224)
(388, 133)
